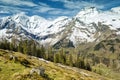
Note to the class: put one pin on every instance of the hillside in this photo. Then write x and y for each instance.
(104, 57)
(17, 66)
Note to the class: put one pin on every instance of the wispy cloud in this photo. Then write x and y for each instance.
(38, 8)
(12, 9)
(18, 2)
(78, 4)
(42, 7)
(4, 12)
(62, 12)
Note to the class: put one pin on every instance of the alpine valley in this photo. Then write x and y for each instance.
(84, 47)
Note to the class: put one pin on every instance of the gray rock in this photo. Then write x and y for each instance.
(40, 71)
(12, 57)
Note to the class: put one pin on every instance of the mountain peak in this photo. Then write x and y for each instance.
(89, 8)
(116, 10)
(20, 15)
(87, 11)
(37, 18)
(60, 18)
(20, 18)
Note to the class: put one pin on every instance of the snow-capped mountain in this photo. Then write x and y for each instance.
(34, 27)
(89, 15)
(88, 25)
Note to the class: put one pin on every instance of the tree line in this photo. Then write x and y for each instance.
(63, 56)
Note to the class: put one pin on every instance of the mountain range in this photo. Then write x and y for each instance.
(89, 25)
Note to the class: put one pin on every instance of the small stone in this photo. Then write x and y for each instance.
(42, 71)
(11, 57)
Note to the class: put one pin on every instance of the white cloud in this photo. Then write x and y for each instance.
(13, 6)
(73, 7)
(63, 12)
(84, 4)
(11, 9)
(18, 2)
(43, 4)
(43, 9)
(79, 4)
(4, 12)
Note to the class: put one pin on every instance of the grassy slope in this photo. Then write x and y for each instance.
(16, 70)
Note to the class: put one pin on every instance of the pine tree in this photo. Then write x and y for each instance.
(56, 57)
(62, 56)
(70, 60)
(38, 52)
(88, 67)
(20, 48)
(6, 45)
(14, 44)
(33, 49)
(46, 55)
(50, 54)
(11, 47)
(25, 49)
(42, 51)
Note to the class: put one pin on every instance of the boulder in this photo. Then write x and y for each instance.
(40, 71)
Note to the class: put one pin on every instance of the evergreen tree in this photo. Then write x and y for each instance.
(20, 48)
(62, 56)
(56, 57)
(11, 47)
(25, 47)
(50, 54)
(42, 51)
(33, 48)
(38, 53)
(70, 60)
(88, 67)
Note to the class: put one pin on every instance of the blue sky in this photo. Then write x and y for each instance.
(52, 8)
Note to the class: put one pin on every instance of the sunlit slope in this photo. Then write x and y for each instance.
(17, 66)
